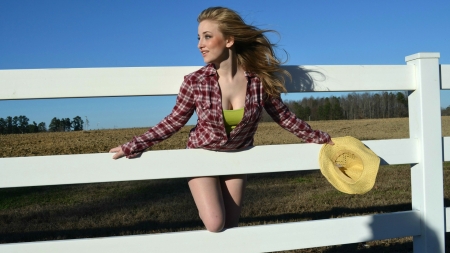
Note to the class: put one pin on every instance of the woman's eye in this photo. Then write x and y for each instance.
(207, 37)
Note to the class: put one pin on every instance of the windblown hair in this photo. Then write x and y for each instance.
(253, 49)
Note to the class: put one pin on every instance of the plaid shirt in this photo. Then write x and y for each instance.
(200, 92)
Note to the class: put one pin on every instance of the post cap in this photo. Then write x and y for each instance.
(422, 56)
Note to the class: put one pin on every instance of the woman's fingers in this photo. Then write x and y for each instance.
(118, 152)
(118, 155)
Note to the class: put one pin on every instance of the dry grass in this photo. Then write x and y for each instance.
(155, 206)
(98, 141)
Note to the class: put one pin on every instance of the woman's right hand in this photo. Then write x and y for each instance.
(118, 152)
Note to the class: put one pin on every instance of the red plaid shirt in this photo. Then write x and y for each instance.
(200, 92)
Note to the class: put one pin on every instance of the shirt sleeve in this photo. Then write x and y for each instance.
(181, 113)
(281, 114)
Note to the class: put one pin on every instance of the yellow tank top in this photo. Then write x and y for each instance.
(231, 118)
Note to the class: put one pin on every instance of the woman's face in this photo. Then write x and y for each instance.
(211, 42)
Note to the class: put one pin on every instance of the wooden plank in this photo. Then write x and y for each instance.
(143, 81)
(91, 168)
(263, 238)
(445, 77)
(446, 149)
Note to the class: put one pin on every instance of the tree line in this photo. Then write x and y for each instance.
(352, 106)
(446, 111)
(20, 125)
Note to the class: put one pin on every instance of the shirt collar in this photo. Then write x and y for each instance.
(210, 70)
(250, 74)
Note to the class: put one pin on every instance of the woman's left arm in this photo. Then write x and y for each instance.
(281, 114)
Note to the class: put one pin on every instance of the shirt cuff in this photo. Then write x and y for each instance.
(318, 137)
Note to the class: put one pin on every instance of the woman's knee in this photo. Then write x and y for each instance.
(213, 223)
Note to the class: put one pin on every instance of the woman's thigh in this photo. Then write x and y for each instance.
(219, 200)
(207, 195)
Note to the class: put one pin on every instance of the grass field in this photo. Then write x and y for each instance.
(155, 206)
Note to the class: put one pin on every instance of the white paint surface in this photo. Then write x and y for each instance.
(142, 81)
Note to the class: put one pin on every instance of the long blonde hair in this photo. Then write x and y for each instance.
(254, 51)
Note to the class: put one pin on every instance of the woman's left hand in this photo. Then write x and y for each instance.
(118, 152)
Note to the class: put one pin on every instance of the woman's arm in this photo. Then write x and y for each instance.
(181, 113)
(281, 114)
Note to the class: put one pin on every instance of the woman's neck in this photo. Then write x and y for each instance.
(228, 68)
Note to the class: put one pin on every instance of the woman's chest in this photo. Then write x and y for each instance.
(210, 99)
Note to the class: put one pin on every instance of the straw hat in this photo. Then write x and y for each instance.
(349, 165)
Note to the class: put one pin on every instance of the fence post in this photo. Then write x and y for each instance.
(426, 176)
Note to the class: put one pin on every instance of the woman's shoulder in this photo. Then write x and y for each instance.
(201, 73)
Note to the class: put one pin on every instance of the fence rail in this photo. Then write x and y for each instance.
(77, 169)
(143, 81)
(422, 76)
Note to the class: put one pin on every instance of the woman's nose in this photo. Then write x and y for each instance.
(200, 43)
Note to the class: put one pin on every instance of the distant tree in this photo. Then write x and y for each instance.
(54, 125)
(32, 128)
(446, 111)
(67, 124)
(300, 111)
(23, 124)
(401, 98)
(307, 115)
(327, 109)
(20, 124)
(77, 124)
(9, 125)
(2, 126)
(15, 125)
(336, 110)
(42, 127)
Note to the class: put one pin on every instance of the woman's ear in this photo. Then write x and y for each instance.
(229, 42)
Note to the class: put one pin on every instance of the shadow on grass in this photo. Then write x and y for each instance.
(146, 227)
(157, 191)
(153, 226)
(332, 213)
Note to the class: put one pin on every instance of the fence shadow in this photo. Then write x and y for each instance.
(158, 191)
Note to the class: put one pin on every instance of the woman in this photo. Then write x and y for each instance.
(242, 76)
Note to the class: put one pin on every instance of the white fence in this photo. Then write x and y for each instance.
(423, 76)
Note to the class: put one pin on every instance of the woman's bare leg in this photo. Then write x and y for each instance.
(208, 198)
(218, 200)
(233, 188)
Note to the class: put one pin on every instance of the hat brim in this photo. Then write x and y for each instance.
(370, 163)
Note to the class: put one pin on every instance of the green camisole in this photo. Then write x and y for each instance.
(231, 118)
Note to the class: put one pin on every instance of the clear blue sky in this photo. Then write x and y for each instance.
(80, 34)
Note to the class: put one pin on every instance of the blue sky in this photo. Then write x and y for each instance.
(81, 34)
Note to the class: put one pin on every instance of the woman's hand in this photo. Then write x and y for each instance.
(330, 142)
(118, 152)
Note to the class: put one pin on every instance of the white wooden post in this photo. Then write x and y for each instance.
(426, 176)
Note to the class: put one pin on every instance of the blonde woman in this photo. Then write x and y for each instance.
(241, 77)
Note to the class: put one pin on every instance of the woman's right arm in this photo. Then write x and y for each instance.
(181, 113)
